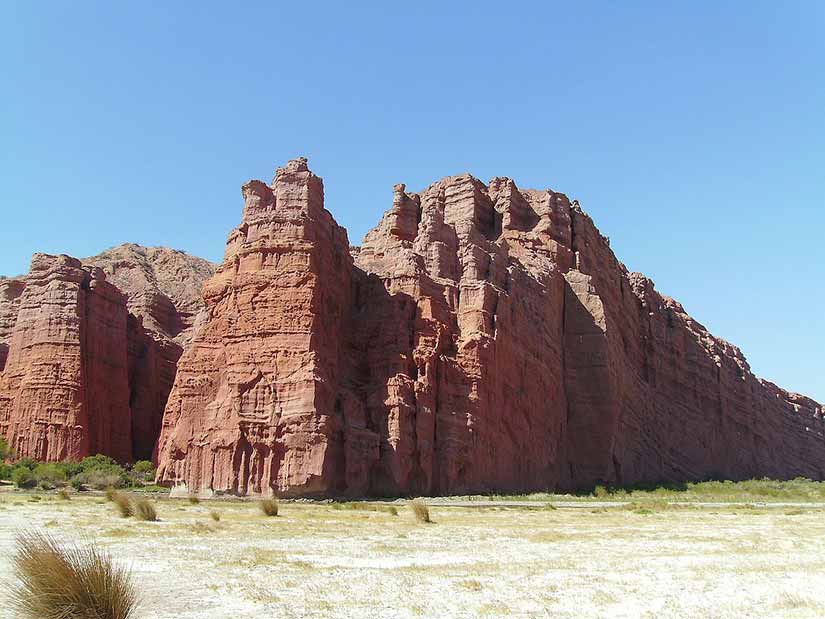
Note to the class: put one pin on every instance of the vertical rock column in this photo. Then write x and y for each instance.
(64, 390)
(255, 406)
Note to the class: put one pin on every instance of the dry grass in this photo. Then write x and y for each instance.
(55, 582)
(194, 500)
(216, 516)
(145, 510)
(110, 494)
(124, 505)
(420, 510)
(366, 507)
(200, 528)
(269, 507)
(64, 495)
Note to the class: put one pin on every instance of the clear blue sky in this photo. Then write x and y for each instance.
(693, 133)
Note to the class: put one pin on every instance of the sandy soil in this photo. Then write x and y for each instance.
(318, 561)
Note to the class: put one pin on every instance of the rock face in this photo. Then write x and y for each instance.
(162, 287)
(482, 338)
(255, 403)
(79, 373)
(64, 391)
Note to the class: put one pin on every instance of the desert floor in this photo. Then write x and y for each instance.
(360, 560)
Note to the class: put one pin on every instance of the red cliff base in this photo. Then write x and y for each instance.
(483, 338)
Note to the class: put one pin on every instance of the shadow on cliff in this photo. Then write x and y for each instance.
(395, 357)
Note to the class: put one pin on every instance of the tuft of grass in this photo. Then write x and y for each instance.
(194, 500)
(216, 516)
(145, 510)
(110, 494)
(64, 495)
(392, 510)
(420, 510)
(201, 528)
(470, 585)
(55, 582)
(269, 507)
(124, 505)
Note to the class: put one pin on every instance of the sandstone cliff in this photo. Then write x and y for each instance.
(79, 373)
(64, 390)
(162, 287)
(482, 338)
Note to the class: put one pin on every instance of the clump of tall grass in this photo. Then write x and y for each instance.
(124, 505)
(110, 494)
(63, 495)
(216, 516)
(193, 499)
(145, 510)
(420, 510)
(55, 582)
(269, 507)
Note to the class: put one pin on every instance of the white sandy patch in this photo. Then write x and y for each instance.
(317, 561)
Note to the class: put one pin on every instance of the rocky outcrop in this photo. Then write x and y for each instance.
(482, 338)
(162, 287)
(79, 372)
(64, 389)
(255, 403)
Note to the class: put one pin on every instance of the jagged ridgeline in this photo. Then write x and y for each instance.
(483, 337)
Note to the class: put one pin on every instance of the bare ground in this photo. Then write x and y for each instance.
(322, 560)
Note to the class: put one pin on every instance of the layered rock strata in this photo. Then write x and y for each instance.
(482, 338)
(79, 372)
(64, 392)
(162, 288)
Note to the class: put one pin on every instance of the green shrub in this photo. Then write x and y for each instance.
(28, 463)
(57, 583)
(601, 492)
(100, 479)
(269, 507)
(5, 471)
(99, 472)
(97, 461)
(194, 500)
(5, 451)
(143, 470)
(23, 477)
(50, 475)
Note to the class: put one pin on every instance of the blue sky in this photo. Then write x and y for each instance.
(693, 132)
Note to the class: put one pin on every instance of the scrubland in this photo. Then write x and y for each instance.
(646, 555)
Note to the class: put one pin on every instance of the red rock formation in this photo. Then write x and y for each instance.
(64, 389)
(79, 374)
(254, 404)
(163, 287)
(482, 338)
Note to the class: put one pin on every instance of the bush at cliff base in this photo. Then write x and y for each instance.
(97, 472)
